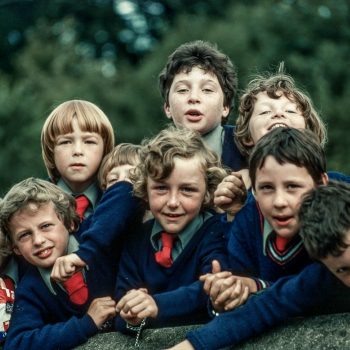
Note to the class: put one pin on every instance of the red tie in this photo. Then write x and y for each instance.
(82, 203)
(281, 243)
(163, 257)
(76, 288)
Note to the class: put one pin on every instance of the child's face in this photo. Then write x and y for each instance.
(279, 190)
(78, 156)
(196, 101)
(39, 235)
(177, 200)
(269, 113)
(340, 265)
(118, 173)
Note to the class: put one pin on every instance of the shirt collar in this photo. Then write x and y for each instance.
(72, 247)
(266, 233)
(184, 236)
(92, 192)
(214, 139)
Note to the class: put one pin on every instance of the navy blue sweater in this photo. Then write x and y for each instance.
(306, 287)
(42, 320)
(245, 248)
(176, 290)
(231, 156)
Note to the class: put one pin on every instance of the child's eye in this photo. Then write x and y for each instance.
(207, 90)
(182, 90)
(188, 189)
(112, 181)
(290, 111)
(265, 188)
(46, 226)
(91, 142)
(292, 186)
(63, 142)
(264, 112)
(23, 236)
(342, 270)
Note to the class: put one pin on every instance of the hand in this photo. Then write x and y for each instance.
(101, 310)
(136, 305)
(216, 283)
(231, 194)
(185, 345)
(66, 266)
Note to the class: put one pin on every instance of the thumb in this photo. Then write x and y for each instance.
(216, 267)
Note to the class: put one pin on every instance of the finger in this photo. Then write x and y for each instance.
(215, 266)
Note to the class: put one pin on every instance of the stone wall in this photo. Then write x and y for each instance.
(327, 332)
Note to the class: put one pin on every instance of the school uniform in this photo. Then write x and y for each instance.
(44, 317)
(176, 290)
(221, 140)
(296, 285)
(93, 193)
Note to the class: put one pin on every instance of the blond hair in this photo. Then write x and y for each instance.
(90, 118)
(157, 160)
(38, 192)
(124, 153)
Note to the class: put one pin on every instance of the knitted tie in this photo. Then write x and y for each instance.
(82, 203)
(163, 257)
(75, 286)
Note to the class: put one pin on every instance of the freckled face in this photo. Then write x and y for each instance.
(196, 101)
(177, 200)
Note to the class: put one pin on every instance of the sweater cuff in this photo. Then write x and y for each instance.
(260, 284)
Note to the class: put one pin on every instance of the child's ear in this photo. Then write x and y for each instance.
(16, 250)
(226, 112)
(166, 108)
(248, 142)
(324, 178)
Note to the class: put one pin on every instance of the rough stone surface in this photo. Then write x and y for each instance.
(327, 332)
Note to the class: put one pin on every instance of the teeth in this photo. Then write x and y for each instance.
(278, 126)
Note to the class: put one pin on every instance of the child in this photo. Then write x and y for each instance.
(269, 101)
(116, 165)
(159, 269)
(74, 139)
(39, 219)
(325, 227)
(264, 243)
(198, 85)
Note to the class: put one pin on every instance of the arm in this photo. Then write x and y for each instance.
(189, 299)
(109, 222)
(112, 216)
(33, 327)
(288, 297)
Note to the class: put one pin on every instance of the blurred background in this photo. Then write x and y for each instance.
(110, 52)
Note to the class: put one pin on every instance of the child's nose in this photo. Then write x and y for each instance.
(77, 148)
(173, 200)
(280, 199)
(194, 95)
(38, 238)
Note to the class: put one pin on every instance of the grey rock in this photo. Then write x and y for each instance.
(326, 332)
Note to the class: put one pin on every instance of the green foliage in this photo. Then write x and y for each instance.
(56, 64)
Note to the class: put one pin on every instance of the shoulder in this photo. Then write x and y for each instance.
(335, 175)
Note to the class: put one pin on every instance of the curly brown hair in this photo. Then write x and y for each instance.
(157, 160)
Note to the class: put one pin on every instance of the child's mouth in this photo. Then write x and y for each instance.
(45, 253)
(283, 220)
